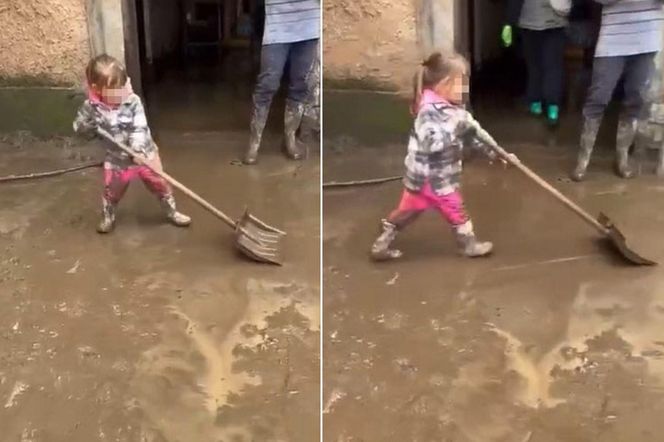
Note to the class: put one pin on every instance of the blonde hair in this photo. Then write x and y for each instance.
(105, 71)
(437, 67)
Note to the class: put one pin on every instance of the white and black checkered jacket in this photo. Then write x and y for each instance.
(127, 123)
(435, 148)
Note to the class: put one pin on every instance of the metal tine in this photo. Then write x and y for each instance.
(263, 224)
(262, 241)
(260, 244)
(261, 229)
(265, 236)
(258, 237)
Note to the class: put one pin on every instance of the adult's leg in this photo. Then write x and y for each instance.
(606, 73)
(532, 47)
(302, 56)
(638, 74)
(273, 60)
(553, 55)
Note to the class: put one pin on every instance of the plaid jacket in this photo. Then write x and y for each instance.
(127, 123)
(435, 148)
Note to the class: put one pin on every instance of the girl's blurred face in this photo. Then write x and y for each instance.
(109, 95)
(113, 96)
(454, 89)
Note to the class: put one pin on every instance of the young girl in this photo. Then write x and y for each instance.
(434, 162)
(112, 106)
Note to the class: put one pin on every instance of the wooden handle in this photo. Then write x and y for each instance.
(484, 136)
(175, 183)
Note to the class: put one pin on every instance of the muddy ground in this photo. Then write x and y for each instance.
(553, 338)
(155, 333)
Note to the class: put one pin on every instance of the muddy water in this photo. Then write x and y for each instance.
(156, 333)
(551, 339)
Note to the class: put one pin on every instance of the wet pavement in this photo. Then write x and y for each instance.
(154, 333)
(553, 338)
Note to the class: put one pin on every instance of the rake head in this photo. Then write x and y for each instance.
(257, 240)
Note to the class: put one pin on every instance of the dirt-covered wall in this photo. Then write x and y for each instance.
(378, 43)
(42, 42)
(369, 41)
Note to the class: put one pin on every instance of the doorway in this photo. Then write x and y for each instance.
(198, 60)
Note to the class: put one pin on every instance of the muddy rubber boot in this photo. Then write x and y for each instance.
(469, 246)
(624, 140)
(292, 120)
(586, 146)
(258, 120)
(107, 223)
(174, 217)
(381, 251)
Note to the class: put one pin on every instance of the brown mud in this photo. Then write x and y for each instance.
(155, 333)
(551, 339)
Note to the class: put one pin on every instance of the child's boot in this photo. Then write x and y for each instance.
(258, 120)
(176, 218)
(107, 222)
(292, 120)
(624, 140)
(468, 244)
(381, 251)
(586, 146)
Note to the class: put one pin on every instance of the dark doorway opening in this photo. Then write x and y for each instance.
(199, 60)
(499, 75)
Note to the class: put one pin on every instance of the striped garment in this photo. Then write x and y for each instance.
(127, 123)
(290, 21)
(538, 15)
(630, 27)
(435, 148)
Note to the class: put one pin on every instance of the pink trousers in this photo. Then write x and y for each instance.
(116, 182)
(450, 206)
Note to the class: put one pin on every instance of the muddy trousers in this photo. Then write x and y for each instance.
(299, 58)
(116, 182)
(637, 71)
(412, 205)
(545, 59)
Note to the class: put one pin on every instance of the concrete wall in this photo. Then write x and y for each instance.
(42, 41)
(371, 41)
(379, 43)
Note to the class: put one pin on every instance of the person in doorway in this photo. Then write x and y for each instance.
(114, 107)
(290, 38)
(630, 36)
(442, 129)
(542, 29)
